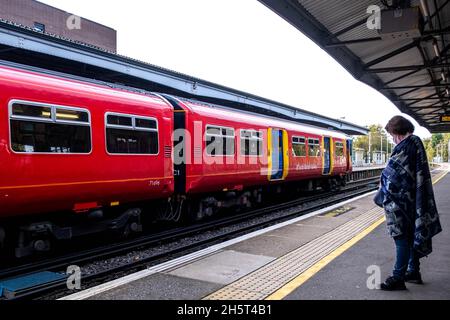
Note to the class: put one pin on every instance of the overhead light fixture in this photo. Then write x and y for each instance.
(424, 5)
(436, 49)
(447, 92)
(401, 24)
(444, 78)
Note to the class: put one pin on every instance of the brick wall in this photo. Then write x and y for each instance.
(27, 12)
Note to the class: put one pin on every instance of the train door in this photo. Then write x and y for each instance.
(179, 146)
(327, 156)
(278, 154)
(349, 154)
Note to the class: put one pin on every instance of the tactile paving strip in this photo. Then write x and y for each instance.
(268, 279)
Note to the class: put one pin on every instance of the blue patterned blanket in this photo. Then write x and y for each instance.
(408, 197)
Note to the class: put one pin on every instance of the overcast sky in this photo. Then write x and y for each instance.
(240, 44)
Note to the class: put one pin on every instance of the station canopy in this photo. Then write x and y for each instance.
(23, 47)
(400, 48)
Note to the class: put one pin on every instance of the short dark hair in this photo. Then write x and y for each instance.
(399, 125)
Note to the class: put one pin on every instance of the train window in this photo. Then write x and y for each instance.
(126, 134)
(314, 147)
(251, 143)
(339, 149)
(71, 115)
(220, 141)
(115, 120)
(146, 124)
(299, 146)
(31, 111)
(257, 134)
(122, 141)
(37, 128)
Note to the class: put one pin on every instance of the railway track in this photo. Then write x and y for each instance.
(219, 230)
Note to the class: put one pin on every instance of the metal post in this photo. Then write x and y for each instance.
(448, 153)
(387, 149)
(370, 149)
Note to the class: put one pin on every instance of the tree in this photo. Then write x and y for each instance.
(429, 149)
(376, 133)
(445, 146)
(437, 139)
(437, 145)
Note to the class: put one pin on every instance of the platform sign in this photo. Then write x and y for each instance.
(445, 118)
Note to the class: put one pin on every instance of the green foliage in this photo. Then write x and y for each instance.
(437, 139)
(435, 146)
(438, 146)
(376, 135)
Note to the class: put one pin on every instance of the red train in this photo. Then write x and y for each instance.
(78, 157)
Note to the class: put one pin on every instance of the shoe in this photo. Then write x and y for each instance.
(393, 284)
(413, 277)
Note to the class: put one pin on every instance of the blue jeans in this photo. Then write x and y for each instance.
(407, 258)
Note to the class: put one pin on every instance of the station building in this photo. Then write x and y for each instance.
(47, 19)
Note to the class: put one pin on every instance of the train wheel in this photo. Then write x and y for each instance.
(28, 245)
(31, 239)
(130, 227)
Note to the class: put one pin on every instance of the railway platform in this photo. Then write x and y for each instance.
(366, 168)
(342, 252)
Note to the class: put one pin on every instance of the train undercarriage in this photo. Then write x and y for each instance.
(24, 238)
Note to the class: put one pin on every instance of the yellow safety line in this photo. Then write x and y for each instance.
(440, 178)
(308, 274)
(305, 276)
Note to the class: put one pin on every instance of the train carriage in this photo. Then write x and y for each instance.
(233, 157)
(72, 146)
(79, 148)
(257, 149)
